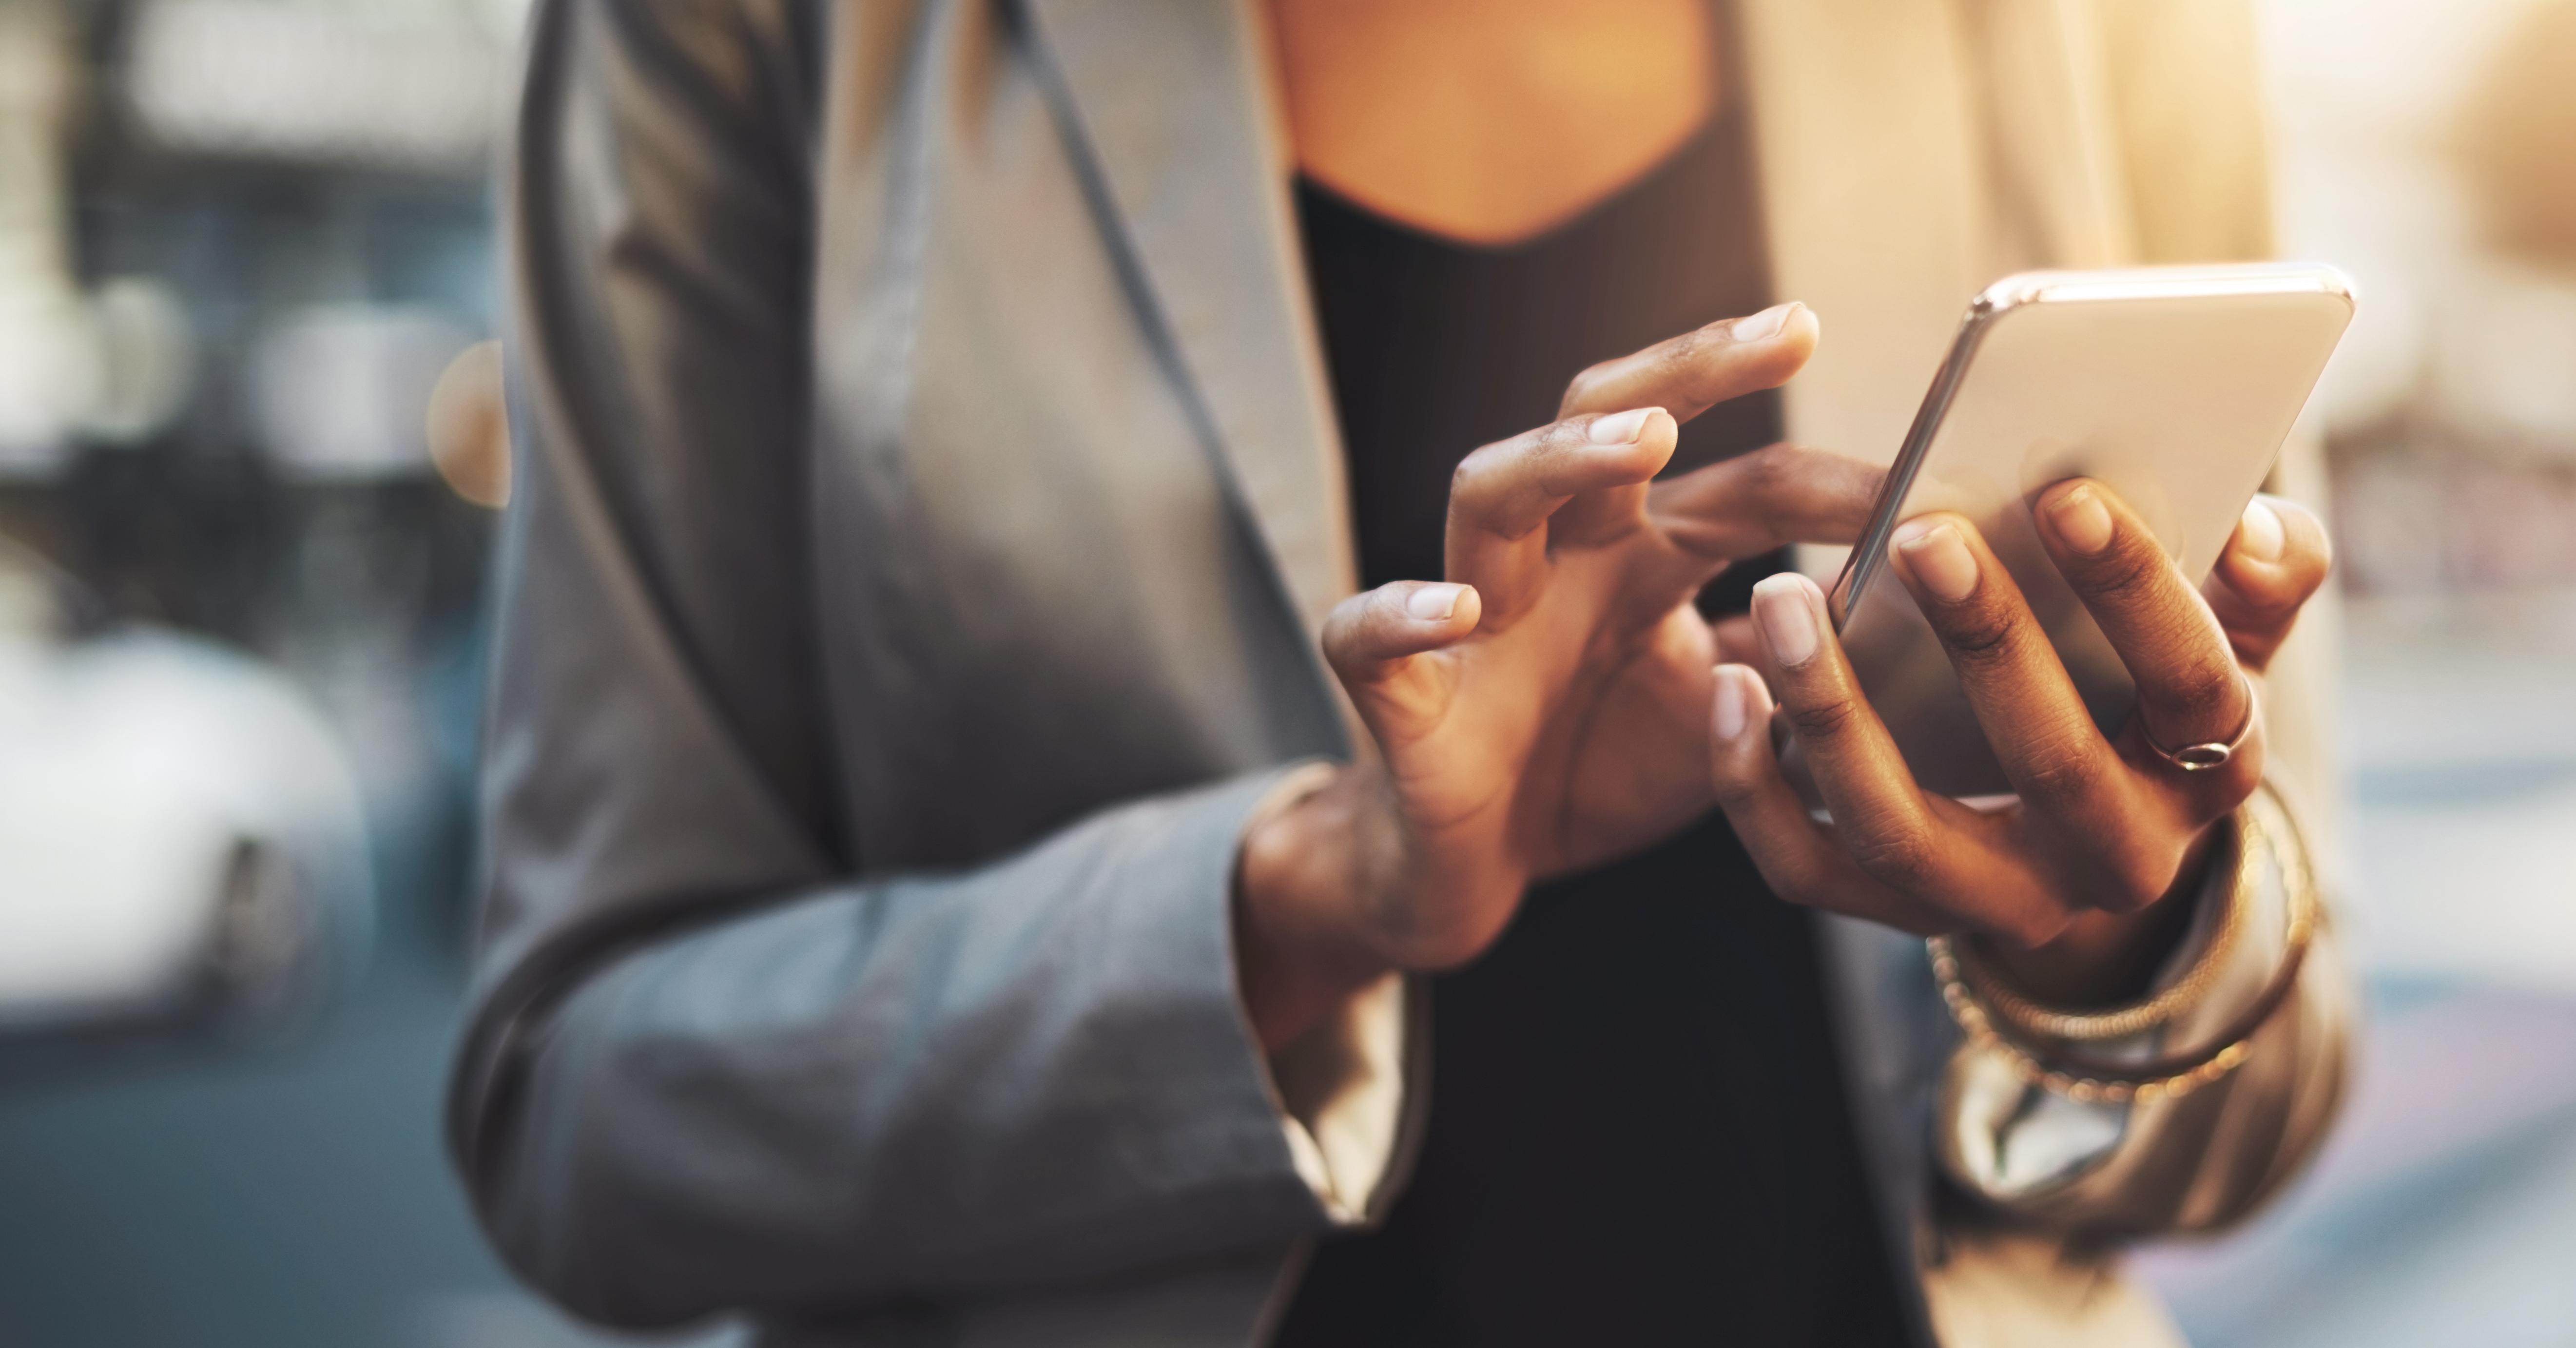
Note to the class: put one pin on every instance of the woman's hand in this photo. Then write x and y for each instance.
(1544, 708)
(2068, 877)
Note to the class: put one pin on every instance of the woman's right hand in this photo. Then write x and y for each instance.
(1543, 708)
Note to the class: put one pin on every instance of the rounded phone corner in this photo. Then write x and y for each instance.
(2010, 293)
(2335, 281)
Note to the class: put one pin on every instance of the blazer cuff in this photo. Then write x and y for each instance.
(1341, 1095)
(1340, 1088)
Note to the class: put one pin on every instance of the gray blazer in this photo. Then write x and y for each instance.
(927, 491)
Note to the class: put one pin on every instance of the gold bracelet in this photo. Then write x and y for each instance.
(2007, 1005)
(2169, 1076)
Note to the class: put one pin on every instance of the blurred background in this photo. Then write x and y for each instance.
(249, 446)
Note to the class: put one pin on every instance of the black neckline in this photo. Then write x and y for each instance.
(1680, 159)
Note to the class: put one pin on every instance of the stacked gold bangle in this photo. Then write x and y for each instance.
(2041, 1043)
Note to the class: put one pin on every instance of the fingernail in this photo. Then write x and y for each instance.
(1940, 558)
(1786, 619)
(1764, 326)
(2082, 521)
(1434, 603)
(1620, 428)
(2259, 534)
(1731, 711)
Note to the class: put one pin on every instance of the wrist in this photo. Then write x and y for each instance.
(1302, 876)
(2103, 958)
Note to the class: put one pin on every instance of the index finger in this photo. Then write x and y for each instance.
(1775, 495)
(1689, 374)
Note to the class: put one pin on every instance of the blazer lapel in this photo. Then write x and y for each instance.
(1169, 104)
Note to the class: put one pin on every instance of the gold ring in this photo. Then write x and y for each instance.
(2203, 757)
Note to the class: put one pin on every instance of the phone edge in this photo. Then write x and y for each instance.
(1869, 553)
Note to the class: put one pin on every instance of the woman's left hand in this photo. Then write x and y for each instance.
(2068, 878)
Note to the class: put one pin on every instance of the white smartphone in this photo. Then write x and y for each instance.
(2175, 386)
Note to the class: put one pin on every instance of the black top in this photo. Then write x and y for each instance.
(1638, 1132)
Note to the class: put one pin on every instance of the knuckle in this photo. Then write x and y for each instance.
(1688, 356)
(1482, 486)
(2130, 573)
(1734, 786)
(1823, 722)
(1899, 855)
(1472, 472)
(1709, 383)
(2062, 779)
(1351, 629)
(2201, 695)
(1984, 636)
(1341, 626)
(1585, 383)
(1554, 439)
(1769, 473)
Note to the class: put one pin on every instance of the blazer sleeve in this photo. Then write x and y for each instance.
(704, 1068)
